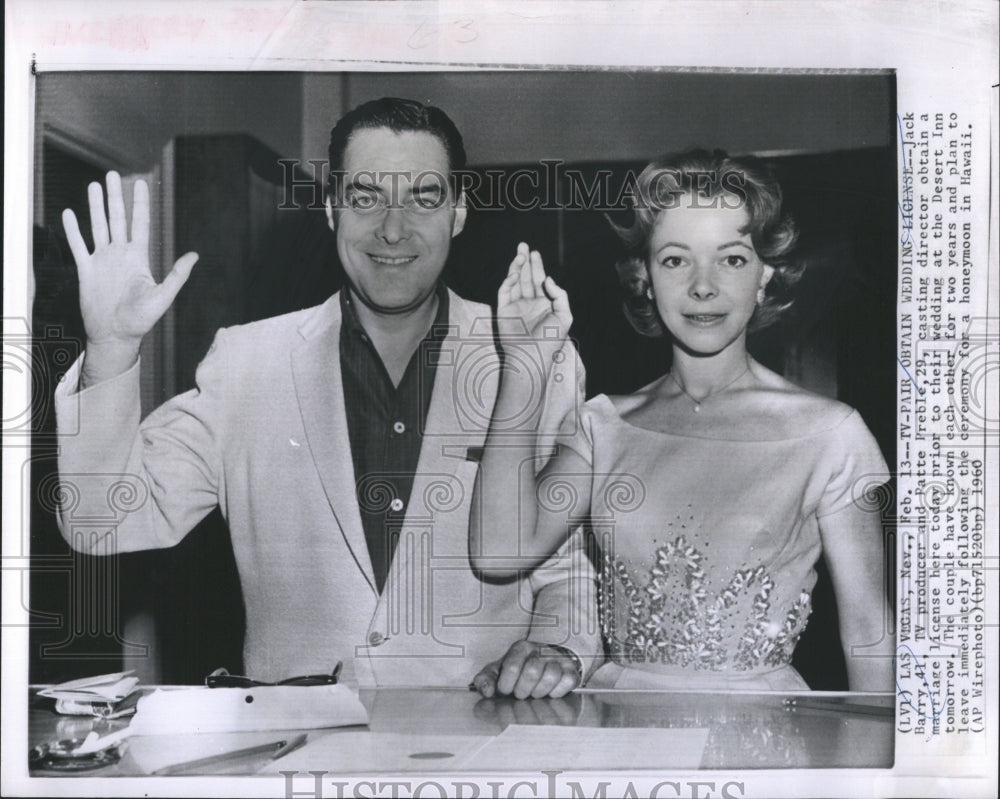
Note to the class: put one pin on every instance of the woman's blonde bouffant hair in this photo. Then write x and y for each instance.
(708, 176)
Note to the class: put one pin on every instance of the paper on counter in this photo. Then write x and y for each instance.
(103, 688)
(198, 709)
(537, 747)
(356, 752)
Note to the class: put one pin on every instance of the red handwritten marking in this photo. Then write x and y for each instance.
(254, 20)
(126, 32)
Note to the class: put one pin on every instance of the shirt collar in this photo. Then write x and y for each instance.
(438, 329)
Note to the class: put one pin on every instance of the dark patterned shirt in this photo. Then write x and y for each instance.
(385, 424)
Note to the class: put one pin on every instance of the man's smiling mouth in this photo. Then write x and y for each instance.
(388, 260)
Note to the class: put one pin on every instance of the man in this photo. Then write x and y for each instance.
(335, 439)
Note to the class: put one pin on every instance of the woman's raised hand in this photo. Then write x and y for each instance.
(120, 301)
(529, 303)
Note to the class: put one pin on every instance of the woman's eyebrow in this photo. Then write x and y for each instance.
(673, 244)
(736, 243)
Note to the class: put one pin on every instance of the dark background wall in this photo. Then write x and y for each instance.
(177, 614)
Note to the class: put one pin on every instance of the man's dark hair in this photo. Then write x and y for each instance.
(398, 115)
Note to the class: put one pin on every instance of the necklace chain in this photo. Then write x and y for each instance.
(710, 394)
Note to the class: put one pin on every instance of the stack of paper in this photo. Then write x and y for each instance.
(590, 748)
(107, 695)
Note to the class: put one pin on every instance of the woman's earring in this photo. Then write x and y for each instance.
(649, 293)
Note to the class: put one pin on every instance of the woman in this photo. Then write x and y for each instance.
(712, 491)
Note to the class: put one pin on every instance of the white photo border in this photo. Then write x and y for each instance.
(945, 58)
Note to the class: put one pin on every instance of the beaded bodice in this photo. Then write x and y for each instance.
(671, 615)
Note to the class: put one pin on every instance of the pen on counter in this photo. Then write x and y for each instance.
(275, 749)
(807, 703)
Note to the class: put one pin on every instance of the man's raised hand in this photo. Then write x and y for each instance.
(120, 301)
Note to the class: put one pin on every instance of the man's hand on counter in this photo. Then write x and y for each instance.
(530, 670)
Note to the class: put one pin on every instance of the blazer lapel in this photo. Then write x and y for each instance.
(320, 392)
(465, 386)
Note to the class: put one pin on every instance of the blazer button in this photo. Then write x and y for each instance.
(376, 639)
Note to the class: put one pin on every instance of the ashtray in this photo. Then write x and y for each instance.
(62, 756)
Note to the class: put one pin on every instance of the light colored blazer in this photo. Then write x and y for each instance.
(264, 436)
